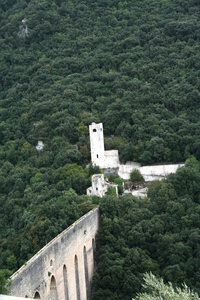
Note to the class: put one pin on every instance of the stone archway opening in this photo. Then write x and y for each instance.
(94, 252)
(78, 294)
(37, 296)
(87, 283)
(53, 289)
(65, 280)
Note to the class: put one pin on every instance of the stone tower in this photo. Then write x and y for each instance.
(97, 144)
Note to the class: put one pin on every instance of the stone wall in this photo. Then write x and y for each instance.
(98, 185)
(111, 159)
(158, 172)
(148, 172)
(125, 170)
(63, 269)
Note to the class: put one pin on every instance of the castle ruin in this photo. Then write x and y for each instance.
(109, 160)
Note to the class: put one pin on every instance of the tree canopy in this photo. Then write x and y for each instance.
(158, 234)
(133, 65)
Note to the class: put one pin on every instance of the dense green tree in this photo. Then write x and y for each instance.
(133, 67)
(120, 183)
(136, 176)
(4, 281)
(158, 235)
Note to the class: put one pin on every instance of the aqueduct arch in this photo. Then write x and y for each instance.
(63, 269)
(87, 282)
(37, 296)
(53, 289)
(65, 281)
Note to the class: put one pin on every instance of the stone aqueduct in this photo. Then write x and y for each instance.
(63, 269)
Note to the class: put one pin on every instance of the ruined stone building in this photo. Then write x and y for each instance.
(109, 160)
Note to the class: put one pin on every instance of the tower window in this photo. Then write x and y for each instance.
(97, 156)
(94, 130)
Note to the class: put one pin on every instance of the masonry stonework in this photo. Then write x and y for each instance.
(109, 160)
(100, 186)
(63, 269)
(97, 144)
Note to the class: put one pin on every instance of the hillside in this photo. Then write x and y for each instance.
(160, 236)
(64, 64)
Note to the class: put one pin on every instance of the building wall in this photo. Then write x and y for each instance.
(158, 172)
(98, 185)
(63, 266)
(125, 170)
(111, 159)
(148, 172)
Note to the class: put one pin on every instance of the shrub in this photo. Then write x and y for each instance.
(136, 176)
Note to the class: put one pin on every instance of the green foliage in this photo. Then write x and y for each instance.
(95, 200)
(136, 176)
(112, 177)
(159, 236)
(94, 169)
(126, 152)
(4, 281)
(70, 169)
(111, 191)
(134, 67)
(158, 290)
(120, 183)
(37, 204)
(35, 177)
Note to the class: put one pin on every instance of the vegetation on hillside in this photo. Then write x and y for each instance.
(133, 65)
(160, 235)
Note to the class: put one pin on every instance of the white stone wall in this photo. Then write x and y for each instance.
(97, 144)
(111, 159)
(158, 172)
(37, 274)
(125, 170)
(98, 185)
(148, 172)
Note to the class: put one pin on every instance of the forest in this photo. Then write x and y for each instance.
(132, 65)
(158, 234)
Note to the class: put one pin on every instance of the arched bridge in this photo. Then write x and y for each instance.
(63, 269)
